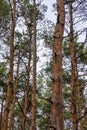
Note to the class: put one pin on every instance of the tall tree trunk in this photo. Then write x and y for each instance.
(73, 72)
(33, 108)
(27, 83)
(57, 96)
(10, 80)
(14, 97)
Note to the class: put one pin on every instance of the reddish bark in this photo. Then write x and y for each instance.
(57, 97)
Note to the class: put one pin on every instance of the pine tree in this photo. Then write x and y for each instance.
(33, 108)
(10, 79)
(57, 96)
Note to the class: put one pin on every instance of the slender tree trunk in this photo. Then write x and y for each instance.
(10, 80)
(57, 96)
(33, 108)
(79, 100)
(14, 98)
(27, 84)
(73, 73)
(24, 116)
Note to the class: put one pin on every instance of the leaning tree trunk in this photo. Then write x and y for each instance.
(33, 107)
(57, 97)
(10, 80)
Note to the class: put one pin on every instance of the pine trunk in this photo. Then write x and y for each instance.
(10, 80)
(33, 108)
(57, 96)
(14, 97)
(73, 73)
(27, 84)
(79, 100)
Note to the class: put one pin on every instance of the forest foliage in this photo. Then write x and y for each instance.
(43, 65)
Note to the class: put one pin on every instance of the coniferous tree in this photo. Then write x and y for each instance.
(10, 79)
(57, 96)
(11, 122)
(33, 107)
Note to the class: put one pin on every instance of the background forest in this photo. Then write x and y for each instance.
(43, 65)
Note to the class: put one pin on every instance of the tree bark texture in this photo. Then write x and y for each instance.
(57, 96)
(11, 124)
(73, 72)
(33, 108)
(10, 80)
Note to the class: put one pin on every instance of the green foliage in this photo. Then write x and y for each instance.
(27, 10)
(49, 67)
(4, 9)
(66, 47)
(66, 77)
(44, 87)
(4, 18)
(3, 76)
(67, 114)
(44, 110)
(83, 56)
(44, 79)
(48, 34)
(81, 50)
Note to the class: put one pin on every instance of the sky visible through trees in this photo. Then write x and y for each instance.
(43, 65)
